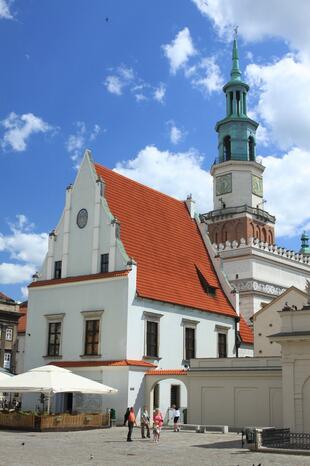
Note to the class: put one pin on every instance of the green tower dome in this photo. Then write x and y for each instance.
(236, 132)
(305, 248)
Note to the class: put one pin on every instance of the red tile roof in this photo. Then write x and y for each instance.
(159, 234)
(166, 372)
(4, 297)
(120, 362)
(246, 333)
(79, 278)
(22, 321)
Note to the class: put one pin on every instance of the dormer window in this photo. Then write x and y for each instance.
(209, 289)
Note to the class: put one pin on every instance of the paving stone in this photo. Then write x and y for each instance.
(108, 447)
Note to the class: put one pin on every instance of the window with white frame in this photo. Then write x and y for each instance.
(9, 333)
(54, 334)
(92, 333)
(189, 338)
(7, 361)
(151, 346)
(222, 340)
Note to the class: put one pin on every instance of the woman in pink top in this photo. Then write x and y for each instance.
(157, 424)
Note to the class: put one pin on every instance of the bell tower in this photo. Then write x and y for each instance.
(238, 201)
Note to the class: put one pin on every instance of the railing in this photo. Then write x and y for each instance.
(260, 213)
(283, 438)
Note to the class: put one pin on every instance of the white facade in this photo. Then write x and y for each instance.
(261, 272)
(267, 321)
(238, 179)
(113, 301)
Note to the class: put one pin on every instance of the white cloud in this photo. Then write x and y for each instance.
(176, 134)
(206, 75)
(10, 274)
(124, 77)
(287, 190)
(26, 248)
(24, 292)
(121, 78)
(176, 174)
(5, 12)
(18, 129)
(264, 19)
(159, 93)
(179, 50)
(76, 143)
(283, 99)
(114, 85)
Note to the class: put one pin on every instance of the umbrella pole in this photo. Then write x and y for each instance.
(48, 403)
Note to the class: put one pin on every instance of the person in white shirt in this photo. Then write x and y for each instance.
(176, 417)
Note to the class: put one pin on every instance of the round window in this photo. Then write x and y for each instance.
(82, 218)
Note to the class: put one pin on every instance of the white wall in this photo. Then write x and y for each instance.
(237, 393)
(109, 295)
(267, 321)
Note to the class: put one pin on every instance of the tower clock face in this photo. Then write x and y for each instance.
(223, 184)
(82, 218)
(257, 185)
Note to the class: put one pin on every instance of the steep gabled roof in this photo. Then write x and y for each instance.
(159, 234)
(275, 300)
(6, 298)
(22, 321)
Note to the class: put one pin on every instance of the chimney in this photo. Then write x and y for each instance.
(190, 204)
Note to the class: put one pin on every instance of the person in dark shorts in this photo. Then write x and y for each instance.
(176, 418)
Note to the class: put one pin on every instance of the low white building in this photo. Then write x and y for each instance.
(127, 286)
(267, 321)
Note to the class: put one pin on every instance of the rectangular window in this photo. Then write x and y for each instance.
(104, 263)
(152, 339)
(189, 343)
(57, 271)
(7, 361)
(92, 337)
(9, 334)
(222, 345)
(54, 335)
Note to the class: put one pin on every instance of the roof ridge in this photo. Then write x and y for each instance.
(138, 183)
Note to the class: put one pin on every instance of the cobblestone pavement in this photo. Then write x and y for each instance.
(109, 447)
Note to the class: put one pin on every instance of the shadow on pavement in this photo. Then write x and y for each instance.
(220, 445)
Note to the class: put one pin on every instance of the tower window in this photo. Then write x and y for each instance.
(231, 98)
(251, 144)
(238, 102)
(227, 148)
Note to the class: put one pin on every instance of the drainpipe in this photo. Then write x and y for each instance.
(237, 338)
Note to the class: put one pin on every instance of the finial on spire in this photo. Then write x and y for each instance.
(235, 70)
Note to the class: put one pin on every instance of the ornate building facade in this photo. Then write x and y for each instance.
(241, 230)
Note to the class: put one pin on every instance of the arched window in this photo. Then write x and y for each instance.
(264, 235)
(251, 144)
(227, 148)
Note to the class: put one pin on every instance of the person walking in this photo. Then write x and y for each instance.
(176, 417)
(145, 423)
(131, 422)
(126, 416)
(157, 424)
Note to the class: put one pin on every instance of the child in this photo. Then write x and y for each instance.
(158, 422)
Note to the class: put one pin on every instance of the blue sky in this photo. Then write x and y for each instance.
(139, 83)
